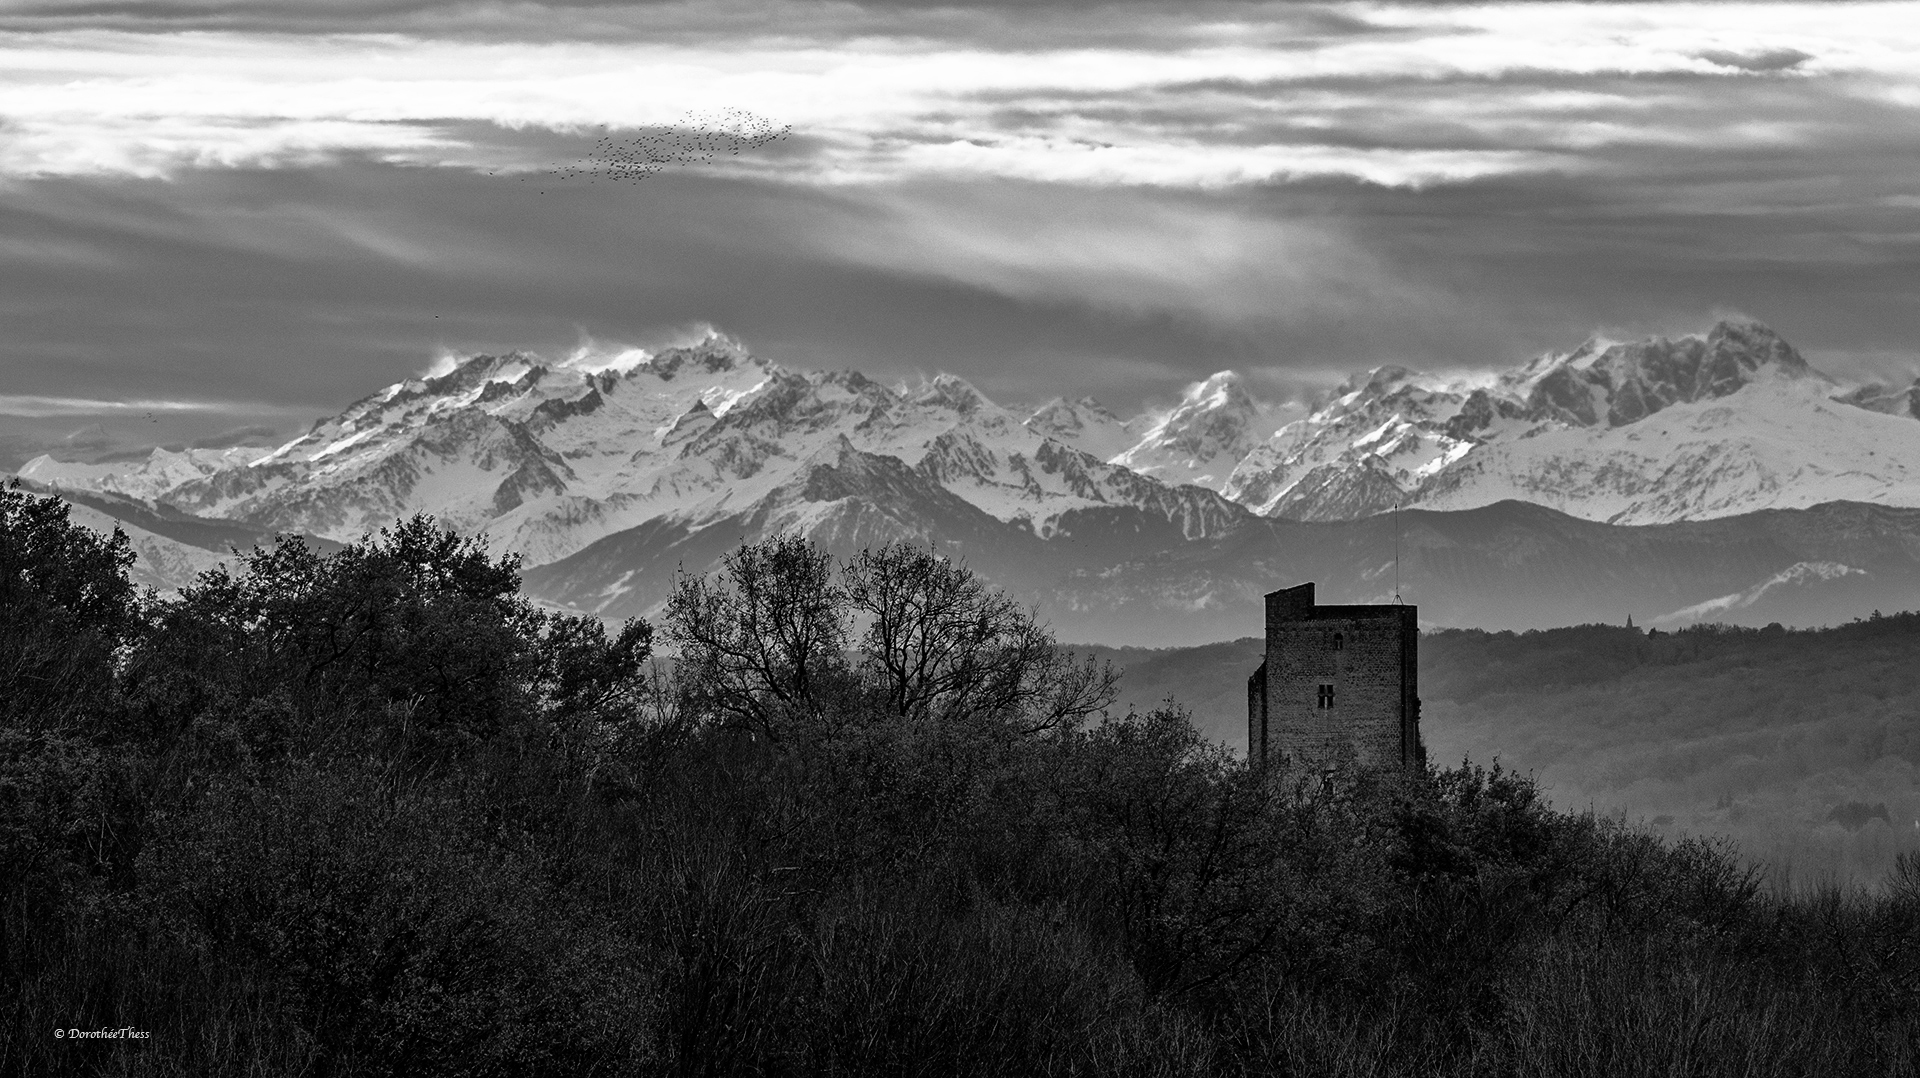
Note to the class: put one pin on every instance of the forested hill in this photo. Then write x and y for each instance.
(374, 813)
(1802, 745)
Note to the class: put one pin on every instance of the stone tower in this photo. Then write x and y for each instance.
(1336, 679)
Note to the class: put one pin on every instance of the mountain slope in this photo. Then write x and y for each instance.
(1085, 425)
(148, 477)
(1203, 437)
(1780, 443)
(546, 458)
(171, 549)
(606, 475)
(1657, 431)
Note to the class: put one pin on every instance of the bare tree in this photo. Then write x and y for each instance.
(765, 641)
(941, 644)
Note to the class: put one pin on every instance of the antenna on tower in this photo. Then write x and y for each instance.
(1396, 548)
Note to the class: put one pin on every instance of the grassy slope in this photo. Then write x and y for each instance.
(1761, 737)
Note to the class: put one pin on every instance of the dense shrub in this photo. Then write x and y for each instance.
(67, 613)
(373, 813)
(415, 638)
(413, 944)
(66, 605)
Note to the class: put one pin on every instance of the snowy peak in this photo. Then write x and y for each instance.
(1377, 383)
(1385, 394)
(951, 393)
(488, 443)
(1777, 443)
(1712, 424)
(1619, 384)
(1751, 345)
(484, 371)
(1220, 392)
(1201, 439)
(548, 457)
(717, 354)
(1085, 425)
(146, 478)
(1361, 450)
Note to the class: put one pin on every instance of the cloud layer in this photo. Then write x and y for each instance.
(1397, 95)
(294, 203)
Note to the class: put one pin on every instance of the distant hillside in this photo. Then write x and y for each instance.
(1210, 681)
(1802, 745)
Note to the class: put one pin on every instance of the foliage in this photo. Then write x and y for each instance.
(371, 813)
(414, 639)
(67, 612)
(413, 945)
(1765, 737)
(66, 605)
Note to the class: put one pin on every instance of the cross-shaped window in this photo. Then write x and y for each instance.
(1326, 695)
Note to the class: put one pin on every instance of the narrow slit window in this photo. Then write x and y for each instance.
(1326, 696)
(1339, 641)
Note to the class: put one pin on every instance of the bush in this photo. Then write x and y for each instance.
(413, 945)
(413, 643)
(66, 606)
(67, 611)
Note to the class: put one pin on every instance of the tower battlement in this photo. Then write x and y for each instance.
(1337, 680)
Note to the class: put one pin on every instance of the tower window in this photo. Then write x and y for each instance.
(1339, 641)
(1326, 696)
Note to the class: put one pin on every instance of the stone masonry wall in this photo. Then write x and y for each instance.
(1375, 702)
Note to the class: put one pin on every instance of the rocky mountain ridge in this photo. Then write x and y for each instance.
(607, 476)
(1657, 431)
(546, 457)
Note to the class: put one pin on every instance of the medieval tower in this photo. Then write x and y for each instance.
(1337, 680)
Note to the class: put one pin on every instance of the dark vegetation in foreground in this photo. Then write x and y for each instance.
(372, 813)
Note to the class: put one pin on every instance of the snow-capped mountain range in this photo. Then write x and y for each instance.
(546, 458)
(1651, 432)
(567, 463)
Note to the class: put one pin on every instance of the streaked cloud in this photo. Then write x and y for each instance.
(1777, 59)
(32, 407)
(915, 101)
(1216, 260)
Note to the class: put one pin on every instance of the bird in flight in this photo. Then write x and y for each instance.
(698, 138)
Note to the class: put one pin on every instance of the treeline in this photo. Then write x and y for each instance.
(1802, 746)
(1465, 665)
(371, 812)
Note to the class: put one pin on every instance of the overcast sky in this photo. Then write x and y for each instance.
(223, 219)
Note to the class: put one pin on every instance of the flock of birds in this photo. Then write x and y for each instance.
(696, 139)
